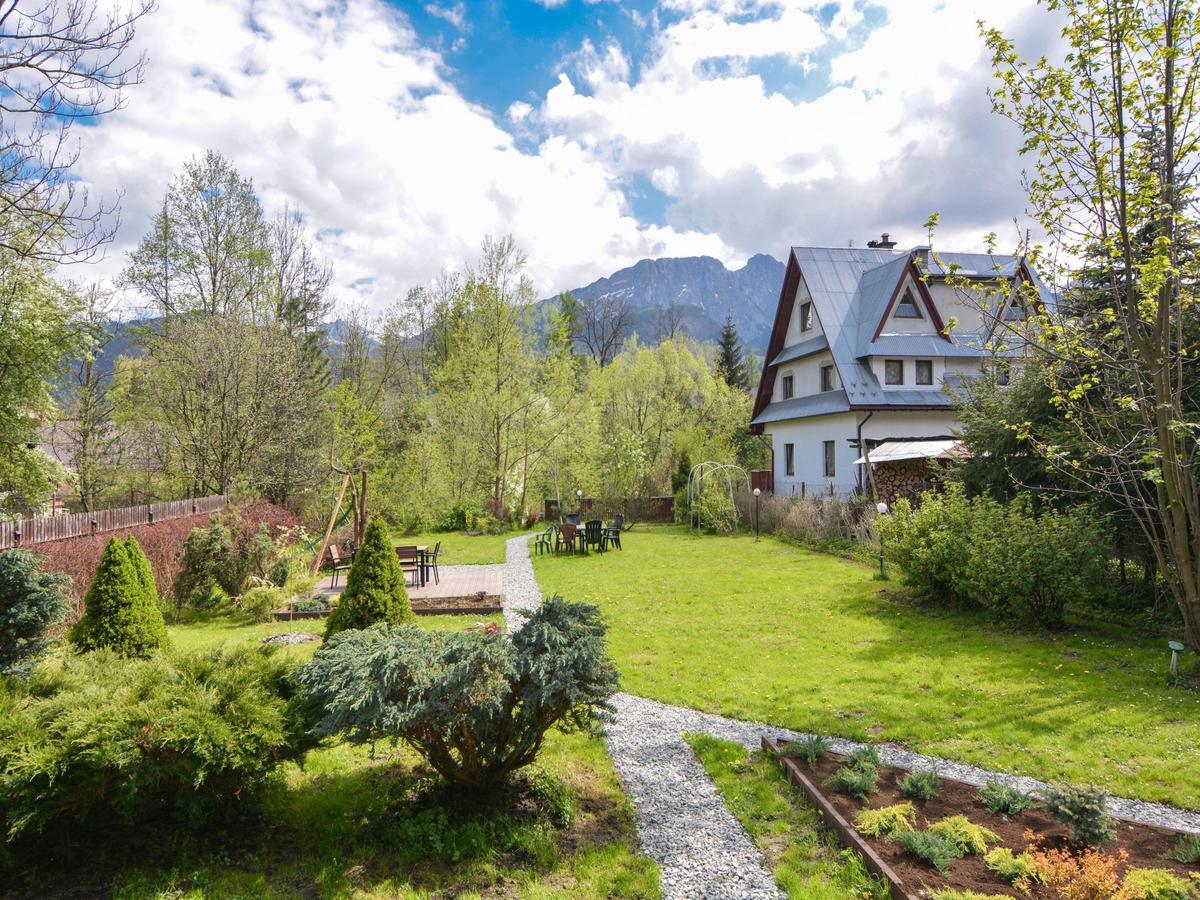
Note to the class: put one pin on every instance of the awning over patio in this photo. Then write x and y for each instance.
(893, 451)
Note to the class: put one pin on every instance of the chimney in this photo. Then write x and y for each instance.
(884, 243)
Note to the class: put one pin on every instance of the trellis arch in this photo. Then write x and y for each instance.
(728, 473)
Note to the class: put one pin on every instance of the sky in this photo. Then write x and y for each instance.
(597, 133)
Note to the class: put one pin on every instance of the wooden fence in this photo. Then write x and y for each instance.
(40, 529)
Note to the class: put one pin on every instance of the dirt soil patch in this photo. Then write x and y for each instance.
(1148, 847)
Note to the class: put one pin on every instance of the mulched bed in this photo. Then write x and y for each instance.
(1147, 846)
(475, 605)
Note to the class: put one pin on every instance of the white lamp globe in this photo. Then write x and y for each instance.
(883, 508)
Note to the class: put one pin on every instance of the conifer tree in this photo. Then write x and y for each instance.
(145, 572)
(375, 590)
(730, 363)
(119, 611)
(31, 601)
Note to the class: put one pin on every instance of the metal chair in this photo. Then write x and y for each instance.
(431, 562)
(336, 563)
(411, 563)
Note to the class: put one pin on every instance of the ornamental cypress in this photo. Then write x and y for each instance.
(375, 590)
(731, 365)
(145, 573)
(119, 612)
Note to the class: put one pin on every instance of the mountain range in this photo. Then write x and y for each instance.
(699, 291)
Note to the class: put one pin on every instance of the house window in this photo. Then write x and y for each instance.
(1015, 312)
(924, 371)
(789, 459)
(806, 316)
(827, 378)
(1003, 373)
(788, 387)
(893, 371)
(827, 449)
(907, 307)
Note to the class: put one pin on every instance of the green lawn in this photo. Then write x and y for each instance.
(804, 856)
(772, 632)
(345, 824)
(459, 548)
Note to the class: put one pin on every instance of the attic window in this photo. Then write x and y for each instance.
(907, 307)
(1015, 312)
(806, 316)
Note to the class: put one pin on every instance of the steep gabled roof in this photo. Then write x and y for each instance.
(853, 292)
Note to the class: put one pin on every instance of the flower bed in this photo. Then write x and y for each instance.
(1135, 846)
(474, 605)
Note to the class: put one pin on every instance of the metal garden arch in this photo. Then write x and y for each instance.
(723, 472)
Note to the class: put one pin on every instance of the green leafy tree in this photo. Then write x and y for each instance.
(31, 602)
(1112, 131)
(731, 363)
(476, 706)
(375, 590)
(119, 613)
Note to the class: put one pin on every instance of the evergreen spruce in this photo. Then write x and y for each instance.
(731, 365)
(30, 602)
(145, 572)
(375, 589)
(119, 610)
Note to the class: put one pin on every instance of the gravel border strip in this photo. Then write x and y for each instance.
(668, 722)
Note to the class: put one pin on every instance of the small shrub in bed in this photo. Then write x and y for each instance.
(865, 756)
(920, 785)
(931, 848)
(809, 749)
(1156, 884)
(102, 738)
(1187, 850)
(854, 781)
(475, 705)
(551, 795)
(1002, 799)
(119, 612)
(971, 839)
(1084, 810)
(375, 591)
(1084, 874)
(885, 820)
(1012, 867)
(31, 601)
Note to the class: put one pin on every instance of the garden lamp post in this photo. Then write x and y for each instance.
(882, 508)
(579, 500)
(757, 493)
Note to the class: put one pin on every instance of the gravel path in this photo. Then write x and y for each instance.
(683, 824)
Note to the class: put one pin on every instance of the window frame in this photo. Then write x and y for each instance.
(907, 298)
(917, 372)
(829, 458)
(789, 460)
(806, 316)
(787, 388)
(886, 380)
(828, 383)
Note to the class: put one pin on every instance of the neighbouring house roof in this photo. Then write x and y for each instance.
(853, 291)
(893, 451)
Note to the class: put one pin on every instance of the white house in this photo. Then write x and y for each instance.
(860, 352)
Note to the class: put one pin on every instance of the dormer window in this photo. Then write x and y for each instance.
(893, 371)
(827, 380)
(907, 307)
(788, 387)
(806, 318)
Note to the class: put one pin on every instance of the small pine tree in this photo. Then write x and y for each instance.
(731, 365)
(119, 612)
(375, 590)
(144, 570)
(30, 602)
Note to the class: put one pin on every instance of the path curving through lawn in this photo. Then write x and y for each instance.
(702, 850)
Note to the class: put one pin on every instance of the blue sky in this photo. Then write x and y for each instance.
(597, 133)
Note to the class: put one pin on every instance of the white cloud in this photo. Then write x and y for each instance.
(454, 13)
(342, 112)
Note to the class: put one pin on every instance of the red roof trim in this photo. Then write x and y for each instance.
(783, 315)
(911, 271)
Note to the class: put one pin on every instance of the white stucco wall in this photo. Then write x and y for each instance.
(794, 334)
(806, 375)
(910, 372)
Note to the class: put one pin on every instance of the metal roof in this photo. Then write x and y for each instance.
(964, 346)
(804, 348)
(800, 407)
(893, 451)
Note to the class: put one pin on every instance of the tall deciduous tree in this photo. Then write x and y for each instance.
(1114, 131)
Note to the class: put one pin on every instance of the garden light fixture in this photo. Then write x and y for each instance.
(1175, 648)
(883, 511)
(757, 494)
